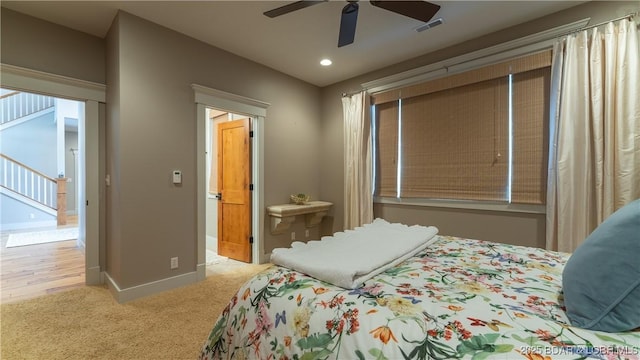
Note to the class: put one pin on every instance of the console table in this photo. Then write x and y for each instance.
(282, 216)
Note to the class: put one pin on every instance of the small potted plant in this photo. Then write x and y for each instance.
(300, 199)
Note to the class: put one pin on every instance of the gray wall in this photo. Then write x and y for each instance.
(517, 228)
(151, 123)
(150, 129)
(39, 45)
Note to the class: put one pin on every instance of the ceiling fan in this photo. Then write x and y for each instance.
(419, 10)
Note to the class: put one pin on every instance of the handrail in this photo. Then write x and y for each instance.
(10, 94)
(32, 184)
(27, 167)
(15, 106)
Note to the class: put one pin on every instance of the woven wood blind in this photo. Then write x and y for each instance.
(530, 136)
(386, 118)
(454, 143)
(455, 134)
(512, 66)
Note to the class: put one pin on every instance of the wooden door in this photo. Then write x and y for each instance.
(234, 178)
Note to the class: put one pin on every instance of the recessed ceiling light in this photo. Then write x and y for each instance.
(325, 62)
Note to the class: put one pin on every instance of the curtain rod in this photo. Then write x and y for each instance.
(629, 16)
(541, 37)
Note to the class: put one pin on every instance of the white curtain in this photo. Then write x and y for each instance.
(358, 198)
(594, 163)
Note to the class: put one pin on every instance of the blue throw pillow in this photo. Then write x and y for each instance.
(601, 279)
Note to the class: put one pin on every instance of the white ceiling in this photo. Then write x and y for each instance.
(295, 43)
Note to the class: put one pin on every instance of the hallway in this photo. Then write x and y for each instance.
(35, 270)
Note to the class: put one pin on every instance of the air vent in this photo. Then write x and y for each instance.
(430, 24)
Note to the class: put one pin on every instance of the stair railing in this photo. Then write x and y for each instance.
(32, 184)
(16, 105)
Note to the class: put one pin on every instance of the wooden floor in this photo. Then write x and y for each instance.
(35, 270)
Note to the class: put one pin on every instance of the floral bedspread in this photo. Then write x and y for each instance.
(458, 299)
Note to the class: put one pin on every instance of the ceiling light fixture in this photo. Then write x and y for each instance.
(325, 62)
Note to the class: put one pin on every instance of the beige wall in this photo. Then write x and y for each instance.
(150, 130)
(500, 226)
(154, 124)
(39, 45)
(518, 228)
(113, 220)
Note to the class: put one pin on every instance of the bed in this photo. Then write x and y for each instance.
(456, 298)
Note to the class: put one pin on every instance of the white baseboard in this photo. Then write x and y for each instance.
(155, 287)
(94, 276)
(201, 271)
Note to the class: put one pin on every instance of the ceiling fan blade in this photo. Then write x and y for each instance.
(348, 22)
(419, 10)
(292, 7)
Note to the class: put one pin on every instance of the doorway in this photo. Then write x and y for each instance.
(42, 238)
(228, 202)
(93, 96)
(205, 98)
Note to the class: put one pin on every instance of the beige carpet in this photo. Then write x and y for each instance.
(88, 323)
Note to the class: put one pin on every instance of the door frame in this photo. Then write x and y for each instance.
(207, 97)
(91, 94)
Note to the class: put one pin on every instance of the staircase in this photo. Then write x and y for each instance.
(18, 107)
(18, 180)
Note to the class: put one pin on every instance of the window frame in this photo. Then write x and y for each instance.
(501, 205)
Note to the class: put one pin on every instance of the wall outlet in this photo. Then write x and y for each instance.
(32, 216)
(174, 263)
(306, 233)
(293, 235)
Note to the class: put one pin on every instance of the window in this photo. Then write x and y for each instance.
(480, 135)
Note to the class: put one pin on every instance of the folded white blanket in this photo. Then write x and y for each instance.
(347, 259)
